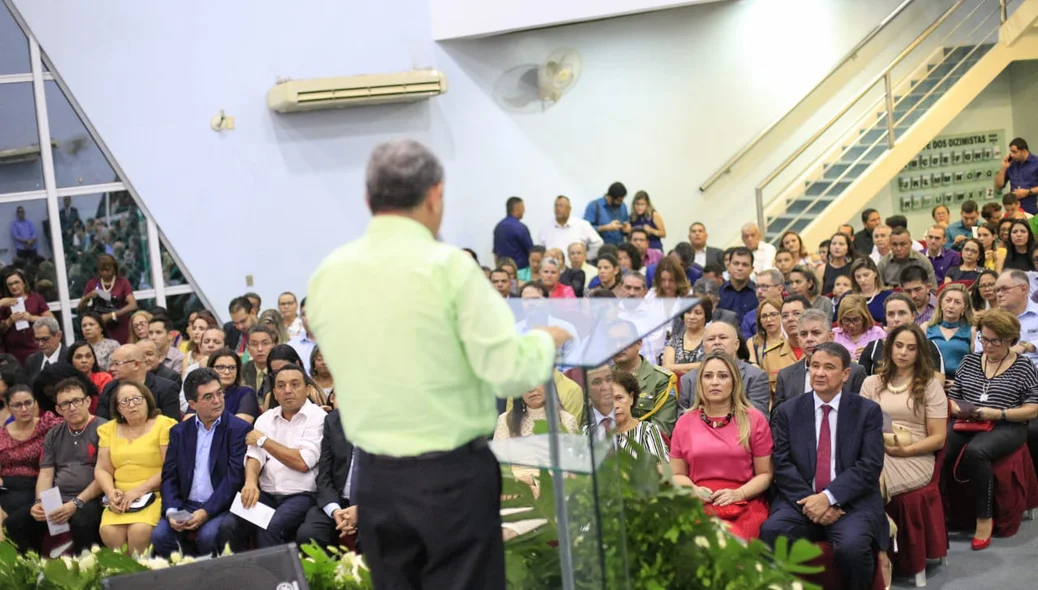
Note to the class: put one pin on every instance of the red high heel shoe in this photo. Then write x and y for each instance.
(978, 545)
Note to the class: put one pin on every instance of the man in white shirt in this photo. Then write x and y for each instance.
(304, 344)
(880, 242)
(289, 308)
(763, 252)
(280, 464)
(567, 229)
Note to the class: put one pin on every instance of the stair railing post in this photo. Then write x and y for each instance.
(1005, 13)
(889, 95)
(760, 214)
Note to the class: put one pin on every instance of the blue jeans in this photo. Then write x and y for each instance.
(207, 541)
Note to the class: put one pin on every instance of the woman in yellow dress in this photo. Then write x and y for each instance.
(129, 466)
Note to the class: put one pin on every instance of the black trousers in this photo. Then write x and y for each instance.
(432, 523)
(317, 527)
(27, 533)
(982, 448)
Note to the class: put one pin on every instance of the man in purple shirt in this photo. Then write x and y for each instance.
(24, 235)
(1020, 170)
(940, 257)
(511, 237)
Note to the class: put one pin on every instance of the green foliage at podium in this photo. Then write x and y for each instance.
(669, 541)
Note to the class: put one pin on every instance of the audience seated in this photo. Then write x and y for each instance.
(838, 264)
(238, 399)
(813, 330)
(770, 284)
(281, 464)
(570, 395)
(773, 351)
(739, 293)
(706, 288)
(982, 293)
(628, 428)
(900, 310)
(951, 328)
(994, 395)
(259, 341)
(601, 421)
(128, 365)
(914, 283)
(972, 262)
(802, 282)
(551, 270)
(322, 375)
(139, 326)
(1011, 293)
(826, 488)
(304, 345)
(684, 350)
(67, 462)
(153, 362)
(722, 338)
(658, 399)
(865, 281)
(907, 391)
(81, 356)
(334, 516)
(50, 340)
(92, 327)
(16, 327)
(131, 450)
(856, 327)
(280, 357)
(202, 471)
(1021, 245)
(903, 255)
(722, 448)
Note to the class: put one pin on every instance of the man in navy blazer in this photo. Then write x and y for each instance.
(203, 470)
(828, 455)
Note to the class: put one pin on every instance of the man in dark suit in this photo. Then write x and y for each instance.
(813, 329)
(723, 337)
(704, 254)
(127, 363)
(52, 346)
(203, 470)
(826, 478)
(334, 512)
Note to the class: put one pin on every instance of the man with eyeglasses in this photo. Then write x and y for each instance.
(203, 470)
(261, 340)
(1011, 293)
(52, 347)
(153, 362)
(127, 363)
(769, 286)
(69, 456)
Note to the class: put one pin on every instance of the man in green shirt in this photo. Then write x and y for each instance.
(419, 372)
(658, 401)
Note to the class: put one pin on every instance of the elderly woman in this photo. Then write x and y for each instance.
(131, 449)
(684, 350)
(111, 296)
(21, 445)
(93, 328)
(551, 270)
(139, 322)
(19, 308)
(907, 391)
(865, 281)
(773, 350)
(721, 447)
(951, 328)
(628, 428)
(803, 282)
(994, 395)
(856, 327)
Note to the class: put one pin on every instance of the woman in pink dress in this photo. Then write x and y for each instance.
(112, 297)
(721, 447)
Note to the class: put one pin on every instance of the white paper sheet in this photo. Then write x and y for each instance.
(18, 308)
(51, 500)
(259, 515)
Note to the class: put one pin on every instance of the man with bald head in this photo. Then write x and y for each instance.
(127, 364)
(153, 362)
(763, 252)
(723, 337)
(566, 230)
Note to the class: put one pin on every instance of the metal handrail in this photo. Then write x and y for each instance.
(727, 166)
(847, 107)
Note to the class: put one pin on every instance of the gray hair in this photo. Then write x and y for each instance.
(637, 275)
(581, 244)
(46, 322)
(775, 276)
(708, 287)
(400, 174)
(552, 262)
(815, 315)
(1018, 276)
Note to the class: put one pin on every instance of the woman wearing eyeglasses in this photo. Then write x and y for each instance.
(773, 349)
(237, 398)
(131, 450)
(856, 327)
(21, 445)
(19, 308)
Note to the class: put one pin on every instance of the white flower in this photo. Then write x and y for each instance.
(760, 568)
(188, 559)
(67, 561)
(87, 562)
(95, 549)
(175, 558)
(798, 586)
(156, 563)
(721, 541)
(702, 542)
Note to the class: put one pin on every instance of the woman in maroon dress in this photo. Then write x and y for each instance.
(111, 296)
(16, 326)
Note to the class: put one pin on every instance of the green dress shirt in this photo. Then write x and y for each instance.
(418, 341)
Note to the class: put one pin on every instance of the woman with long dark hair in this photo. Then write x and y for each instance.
(82, 358)
(237, 398)
(982, 293)
(838, 262)
(1021, 244)
(804, 283)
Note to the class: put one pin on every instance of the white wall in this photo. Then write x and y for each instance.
(664, 99)
(455, 19)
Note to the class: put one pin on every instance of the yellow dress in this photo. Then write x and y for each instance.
(134, 463)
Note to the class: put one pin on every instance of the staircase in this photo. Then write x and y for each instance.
(856, 158)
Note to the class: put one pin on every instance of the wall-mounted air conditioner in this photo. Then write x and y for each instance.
(349, 91)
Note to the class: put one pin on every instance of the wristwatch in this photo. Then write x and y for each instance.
(77, 503)
(262, 440)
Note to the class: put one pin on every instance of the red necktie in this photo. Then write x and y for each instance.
(606, 425)
(825, 452)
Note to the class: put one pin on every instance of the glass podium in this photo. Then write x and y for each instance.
(554, 442)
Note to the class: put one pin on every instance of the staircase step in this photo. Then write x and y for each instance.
(855, 151)
(783, 223)
(833, 171)
(808, 205)
(831, 189)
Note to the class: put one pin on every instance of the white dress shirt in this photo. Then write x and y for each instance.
(763, 257)
(574, 230)
(835, 405)
(54, 358)
(304, 432)
(699, 257)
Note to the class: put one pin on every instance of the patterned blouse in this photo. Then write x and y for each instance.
(682, 356)
(21, 458)
(648, 436)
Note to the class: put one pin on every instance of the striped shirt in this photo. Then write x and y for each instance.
(1015, 386)
(648, 436)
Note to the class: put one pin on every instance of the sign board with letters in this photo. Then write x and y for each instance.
(950, 170)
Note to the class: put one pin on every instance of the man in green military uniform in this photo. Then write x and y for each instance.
(658, 401)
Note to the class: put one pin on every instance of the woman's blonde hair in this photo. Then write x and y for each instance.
(140, 312)
(649, 209)
(967, 311)
(854, 303)
(740, 403)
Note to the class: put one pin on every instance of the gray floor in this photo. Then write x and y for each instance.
(1008, 564)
